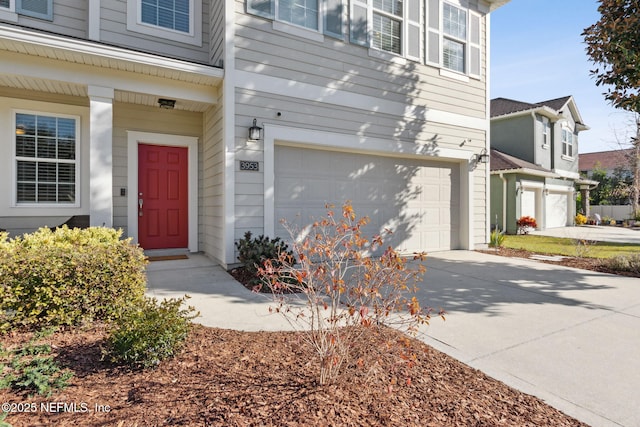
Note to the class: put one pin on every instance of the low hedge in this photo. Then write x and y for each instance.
(68, 277)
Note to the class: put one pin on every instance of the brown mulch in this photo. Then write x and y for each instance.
(585, 263)
(232, 378)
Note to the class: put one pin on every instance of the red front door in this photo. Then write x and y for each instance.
(162, 197)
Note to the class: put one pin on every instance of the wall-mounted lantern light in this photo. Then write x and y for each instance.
(254, 131)
(483, 157)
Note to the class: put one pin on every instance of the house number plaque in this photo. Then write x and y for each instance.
(246, 165)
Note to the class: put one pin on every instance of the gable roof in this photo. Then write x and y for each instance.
(606, 159)
(553, 108)
(501, 162)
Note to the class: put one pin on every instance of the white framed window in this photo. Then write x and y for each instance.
(303, 13)
(319, 16)
(387, 26)
(42, 9)
(392, 26)
(8, 10)
(544, 130)
(46, 153)
(179, 20)
(453, 37)
(567, 143)
(454, 43)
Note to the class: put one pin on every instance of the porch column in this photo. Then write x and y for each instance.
(101, 156)
(584, 191)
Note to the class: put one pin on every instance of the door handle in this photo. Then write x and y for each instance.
(140, 203)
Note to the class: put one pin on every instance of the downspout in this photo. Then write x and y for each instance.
(504, 201)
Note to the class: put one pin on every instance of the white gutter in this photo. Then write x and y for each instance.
(504, 201)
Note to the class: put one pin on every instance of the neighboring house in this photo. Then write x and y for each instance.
(610, 161)
(135, 114)
(534, 162)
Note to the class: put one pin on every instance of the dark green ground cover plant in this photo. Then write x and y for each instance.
(149, 332)
(32, 368)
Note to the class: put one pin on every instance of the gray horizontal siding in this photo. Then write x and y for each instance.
(348, 67)
(129, 117)
(113, 29)
(70, 18)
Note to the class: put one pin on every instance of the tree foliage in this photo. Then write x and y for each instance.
(613, 44)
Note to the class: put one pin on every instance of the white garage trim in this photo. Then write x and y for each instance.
(280, 135)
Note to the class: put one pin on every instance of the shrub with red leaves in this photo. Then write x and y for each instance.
(526, 224)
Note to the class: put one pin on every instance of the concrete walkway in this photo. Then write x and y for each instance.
(568, 336)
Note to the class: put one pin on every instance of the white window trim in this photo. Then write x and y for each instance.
(563, 142)
(193, 37)
(468, 43)
(9, 14)
(319, 30)
(14, 168)
(298, 30)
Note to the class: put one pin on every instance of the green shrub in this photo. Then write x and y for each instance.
(627, 263)
(496, 240)
(253, 252)
(32, 367)
(68, 277)
(149, 333)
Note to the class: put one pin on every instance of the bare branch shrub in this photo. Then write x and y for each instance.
(333, 289)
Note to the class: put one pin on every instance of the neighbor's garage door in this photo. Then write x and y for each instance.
(418, 200)
(557, 209)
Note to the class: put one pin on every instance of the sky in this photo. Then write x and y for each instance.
(538, 54)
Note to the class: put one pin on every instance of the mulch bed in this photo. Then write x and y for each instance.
(593, 264)
(232, 378)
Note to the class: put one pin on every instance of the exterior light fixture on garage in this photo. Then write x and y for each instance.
(483, 157)
(254, 131)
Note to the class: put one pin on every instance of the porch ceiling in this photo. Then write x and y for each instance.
(107, 59)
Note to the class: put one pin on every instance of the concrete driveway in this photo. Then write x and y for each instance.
(568, 336)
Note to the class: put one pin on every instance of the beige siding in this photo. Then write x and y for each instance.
(113, 29)
(129, 117)
(348, 67)
(212, 221)
(69, 18)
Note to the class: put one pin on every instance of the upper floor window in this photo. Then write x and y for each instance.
(567, 143)
(453, 37)
(41, 9)
(46, 147)
(178, 20)
(453, 31)
(172, 14)
(387, 25)
(544, 130)
(299, 12)
(454, 41)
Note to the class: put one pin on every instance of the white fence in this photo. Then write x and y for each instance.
(617, 212)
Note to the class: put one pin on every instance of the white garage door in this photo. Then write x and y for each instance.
(418, 200)
(556, 210)
(528, 203)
